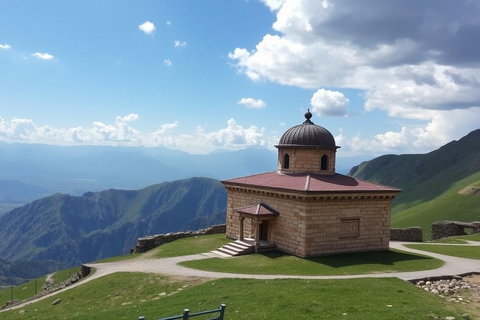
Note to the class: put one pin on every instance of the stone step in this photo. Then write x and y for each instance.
(240, 245)
(221, 254)
(227, 251)
(233, 248)
(244, 243)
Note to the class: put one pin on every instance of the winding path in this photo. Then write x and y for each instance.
(170, 266)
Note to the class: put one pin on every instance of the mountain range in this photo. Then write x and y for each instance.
(77, 229)
(439, 185)
(32, 171)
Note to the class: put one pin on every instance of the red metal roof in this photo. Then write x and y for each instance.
(310, 182)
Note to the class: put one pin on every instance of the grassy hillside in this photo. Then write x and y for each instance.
(430, 183)
(458, 203)
(130, 295)
(74, 230)
(14, 273)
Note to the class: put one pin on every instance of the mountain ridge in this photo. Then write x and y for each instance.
(78, 229)
(428, 180)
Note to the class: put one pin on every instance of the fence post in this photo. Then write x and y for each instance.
(185, 314)
(222, 310)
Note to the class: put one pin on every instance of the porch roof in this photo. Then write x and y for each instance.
(258, 209)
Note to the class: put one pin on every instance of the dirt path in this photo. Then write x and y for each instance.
(171, 267)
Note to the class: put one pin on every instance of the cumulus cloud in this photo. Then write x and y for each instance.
(329, 103)
(180, 44)
(5, 46)
(252, 103)
(413, 61)
(43, 56)
(372, 46)
(233, 136)
(147, 27)
(167, 62)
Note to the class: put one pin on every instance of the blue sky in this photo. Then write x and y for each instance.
(383, 77)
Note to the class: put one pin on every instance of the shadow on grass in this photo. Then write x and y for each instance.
(387, 258)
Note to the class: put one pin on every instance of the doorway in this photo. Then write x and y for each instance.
(264, 230)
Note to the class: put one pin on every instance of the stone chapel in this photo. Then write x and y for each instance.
(305, 208)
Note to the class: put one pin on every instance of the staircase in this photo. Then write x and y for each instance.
(235, 248)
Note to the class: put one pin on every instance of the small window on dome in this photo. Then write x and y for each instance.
(286, 161)
(324, 162)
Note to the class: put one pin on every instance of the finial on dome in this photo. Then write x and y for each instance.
(308, 115)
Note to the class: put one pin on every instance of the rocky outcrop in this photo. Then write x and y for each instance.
(445, 229)
(413, 234)
(150, 242)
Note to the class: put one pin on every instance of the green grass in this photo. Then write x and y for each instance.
(460, 239)
(63, 275)
(192, 245)
(448, 206)
(470, 252)
(181, 247)
(121, 258)
(354, 263)
(130, 295)
(27, 290)
(21, 292)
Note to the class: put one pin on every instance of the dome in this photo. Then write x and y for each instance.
(307, 134)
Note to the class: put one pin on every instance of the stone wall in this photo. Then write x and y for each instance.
(406, 234)
(313, 226)
(445, 229)
(150, 242)
(306, 160)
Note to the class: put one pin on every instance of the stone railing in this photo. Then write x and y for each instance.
(150, 242)
(406, 234)
(445, 229)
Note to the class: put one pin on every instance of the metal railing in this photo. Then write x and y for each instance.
(187, 315)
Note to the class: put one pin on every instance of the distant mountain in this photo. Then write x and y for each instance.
(73, 230)
(15, 273)
(431, 183)
(78, 169)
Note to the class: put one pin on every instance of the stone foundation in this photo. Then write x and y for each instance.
(445, 229)
(413, 234)
(150, 242)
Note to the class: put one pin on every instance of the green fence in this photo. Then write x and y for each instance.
(187, 315)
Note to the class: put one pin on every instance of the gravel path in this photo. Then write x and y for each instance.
(169, 266)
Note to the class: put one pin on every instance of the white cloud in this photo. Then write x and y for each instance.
(413, 61)
(5, 46)
(43, 56)
(180, 44)
(233, 136)
(273, 4)
(373, 46)
(329, 103)
(168, 23)
(147, 27)
(252, 103)
(167, 62)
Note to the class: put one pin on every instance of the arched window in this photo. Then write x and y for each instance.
(286, 161)
(324, 162)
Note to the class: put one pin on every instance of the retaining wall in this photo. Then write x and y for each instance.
(150, 242)
(445, 229)
(406, 234)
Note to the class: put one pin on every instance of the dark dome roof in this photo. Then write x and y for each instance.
(307, 134)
